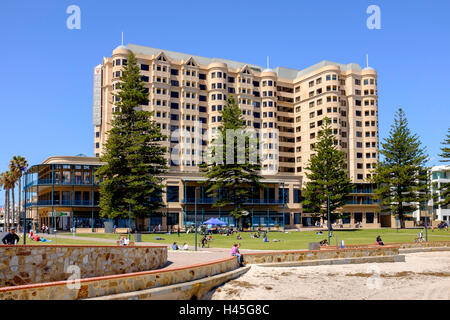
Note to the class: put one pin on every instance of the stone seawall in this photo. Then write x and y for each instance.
(110, 285)
(291, 256)
(406, 245)
(21, 265)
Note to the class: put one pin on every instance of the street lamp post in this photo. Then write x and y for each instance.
(426, 212)
(129, 221)
(23, 202)
(195, 217)
(329, 220)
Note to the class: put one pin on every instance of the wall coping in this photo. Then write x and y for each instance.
(394, 243)
(307, 251)
(74, 246)
(116, 276)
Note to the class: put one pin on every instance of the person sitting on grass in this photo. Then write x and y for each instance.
(175, 246)
(185, 246)
(239, 237)
(324, 242)
(379, 241)
(265, 238)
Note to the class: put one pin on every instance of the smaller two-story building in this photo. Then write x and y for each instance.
(62, 192)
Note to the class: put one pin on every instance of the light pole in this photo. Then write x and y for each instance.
(129, 221)
(23, 202)
(329, 220)
(195, 217)
(426, 212)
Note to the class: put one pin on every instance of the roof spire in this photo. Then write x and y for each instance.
(122, 38)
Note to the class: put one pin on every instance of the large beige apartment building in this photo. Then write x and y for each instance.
(185, 90)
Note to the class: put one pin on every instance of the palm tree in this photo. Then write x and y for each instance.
(16, 165)
(3, 186)
(8, 181)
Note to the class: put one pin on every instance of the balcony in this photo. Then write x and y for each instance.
(76, 181)
(67, 203)
(250, 201)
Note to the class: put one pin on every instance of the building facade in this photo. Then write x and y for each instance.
(62, 192)
(439, 175)
(187, 92)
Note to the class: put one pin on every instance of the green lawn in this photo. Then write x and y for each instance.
(58, 240)
(291, 240)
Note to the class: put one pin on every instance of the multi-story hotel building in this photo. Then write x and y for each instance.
(185, 89)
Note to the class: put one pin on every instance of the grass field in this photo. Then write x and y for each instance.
(79, 241)
(290, 240)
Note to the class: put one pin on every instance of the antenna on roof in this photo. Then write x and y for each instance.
(122, 38)
(367, 60)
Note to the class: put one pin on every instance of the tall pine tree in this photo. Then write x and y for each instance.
(326, 175)
(444, 190)
(232, 184)
(401, 176)
(134, 158)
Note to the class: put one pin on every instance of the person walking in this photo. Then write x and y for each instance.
(204, 241)
(11, 238)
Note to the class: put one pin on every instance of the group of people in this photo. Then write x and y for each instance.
(45, 229)
(176, 247)
(34, 237)
(124, 241)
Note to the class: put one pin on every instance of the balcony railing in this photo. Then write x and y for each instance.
(85, 203)
(250, 201)
(75, 181)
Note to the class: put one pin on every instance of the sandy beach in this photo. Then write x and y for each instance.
(421, 276)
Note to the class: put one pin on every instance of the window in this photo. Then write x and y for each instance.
(369, 217)
(145, 78)
(145, 67)
(173, 194)
(286, 194)
(297, 195)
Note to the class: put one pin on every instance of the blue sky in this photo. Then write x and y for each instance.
(46, 83)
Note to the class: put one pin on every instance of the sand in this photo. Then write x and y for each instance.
(421, 276)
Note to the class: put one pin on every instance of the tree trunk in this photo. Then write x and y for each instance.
(7, 209)
(20, 198)
(13, 208)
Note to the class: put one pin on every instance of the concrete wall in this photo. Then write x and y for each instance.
(181, 291)
(110, 285)
(405, 245)
(20, 265)
(290, 256)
